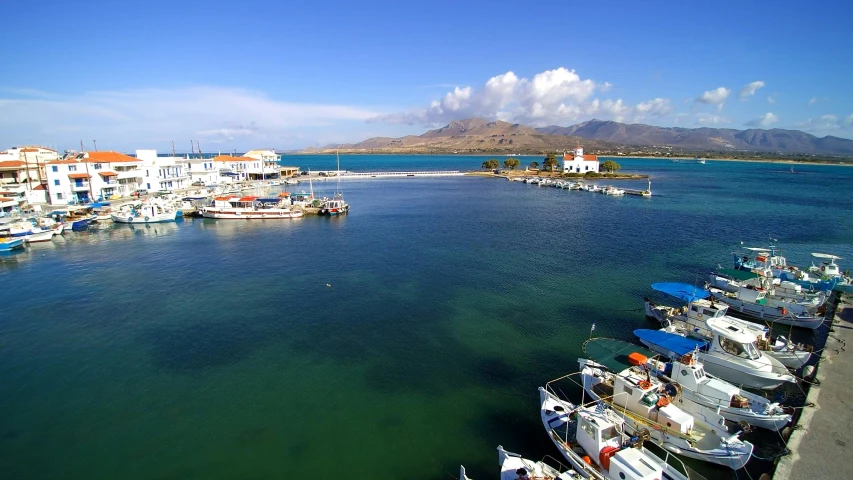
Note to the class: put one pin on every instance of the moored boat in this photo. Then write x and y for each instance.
(143, 212)
(730, 354)
(242, 208)
(754, 304)
(689, 386)
(598, 444)
(9, 244)
(642, 399)
(515, 467)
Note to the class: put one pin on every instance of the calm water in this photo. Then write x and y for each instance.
(215, 349)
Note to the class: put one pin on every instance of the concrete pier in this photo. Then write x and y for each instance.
(822, 445)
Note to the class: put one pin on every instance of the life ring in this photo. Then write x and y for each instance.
(823, 268)
(700, 316)
(280, 214)
(146, 218)
(644, 384)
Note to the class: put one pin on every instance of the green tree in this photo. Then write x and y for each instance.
(610, 166)
(491, 164)
(534, 165)
(550, 161)
(511, 163)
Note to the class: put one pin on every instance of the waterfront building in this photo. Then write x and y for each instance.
(266, 168)
(239, 168)
(163, 173)
(86, 176)
(577, 162)
(32, 157)
(207, 171)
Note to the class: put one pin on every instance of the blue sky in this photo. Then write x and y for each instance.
(237, 75)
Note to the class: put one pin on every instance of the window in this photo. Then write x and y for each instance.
(54, 168)
(56, 182)
(739, 349)
(97, 166)
(587, 428)
(72, 168)
(59, 196)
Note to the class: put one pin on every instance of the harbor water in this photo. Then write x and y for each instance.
(399, 341)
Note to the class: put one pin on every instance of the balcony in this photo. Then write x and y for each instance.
(79, 186)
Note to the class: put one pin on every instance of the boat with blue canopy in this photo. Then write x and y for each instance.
(730, 353)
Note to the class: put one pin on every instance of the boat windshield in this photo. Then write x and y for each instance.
(744, 350)
(609, 433)
(699, 373)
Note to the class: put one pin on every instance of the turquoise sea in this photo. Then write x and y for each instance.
(400, 341)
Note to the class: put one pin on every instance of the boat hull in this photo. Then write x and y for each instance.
(130, 219)
(271, 214)
(9, 245)
(763, 313)
(36, 237)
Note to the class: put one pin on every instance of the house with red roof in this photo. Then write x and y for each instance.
(89, 176)
(577, 162)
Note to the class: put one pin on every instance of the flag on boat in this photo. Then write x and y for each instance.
(600, 408)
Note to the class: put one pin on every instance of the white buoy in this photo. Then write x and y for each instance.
(328, 284)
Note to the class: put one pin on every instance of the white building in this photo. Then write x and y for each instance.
(577, 162)
(163, 173)
(89, 176)
(268, 166)
(206, 170)
(33, 157)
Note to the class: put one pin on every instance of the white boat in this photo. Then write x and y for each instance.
(291, 181)
(613, 191)
(732, 280)
(515, 467)
(149, 211)
(828, 268)
(688, 386)
(638, 397)
(246, 208)
(38, 235)
(691, 321)
(336, 205)
(28, 231)
(730, 354)
(598, 444)
(754, 304)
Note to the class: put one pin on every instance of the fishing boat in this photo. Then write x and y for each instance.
(597, 442)
(636, 395)
(247, 208)
(144, 212)
(688, 386)
(28, 231)
(9, 244)
(691, 321)
(754, 304)
(730, 354)
(732, 280)
(336, 205)
(515, 467)
(767, 259)
(828, 268)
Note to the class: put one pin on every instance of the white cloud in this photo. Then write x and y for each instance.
(814, 100)
(716, 97)
(552, 96)
(749, 90)
(129, 119)
(709, 119)
(827, 124)
(771, 99)
(763, 121)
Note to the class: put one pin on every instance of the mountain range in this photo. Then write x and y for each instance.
(477, 135)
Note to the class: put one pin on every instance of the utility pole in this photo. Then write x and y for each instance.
(81, 146)
(192, 146)
(96, 144)
(29, 180)
(173, 148)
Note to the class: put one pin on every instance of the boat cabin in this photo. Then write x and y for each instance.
(733, 339)
(602, 440)
(633, 390)
(690, 373)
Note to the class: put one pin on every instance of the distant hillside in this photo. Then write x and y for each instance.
(773, 140)
(476, 135)
(467, 136)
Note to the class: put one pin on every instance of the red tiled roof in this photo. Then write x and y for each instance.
(40, 187)
(107, 157)
(228, 158)
(108, 174)
(79, 175)
(35, 148)
(12, 163)
(590, 157)
(5, 199)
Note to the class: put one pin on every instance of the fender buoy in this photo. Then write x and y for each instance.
(823, 268)
(129, 219)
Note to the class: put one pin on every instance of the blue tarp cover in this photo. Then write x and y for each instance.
(670, 341)
(682, 291)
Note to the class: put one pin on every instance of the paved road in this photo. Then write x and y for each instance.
(822, 447)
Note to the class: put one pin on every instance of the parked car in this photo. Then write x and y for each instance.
(140, 192)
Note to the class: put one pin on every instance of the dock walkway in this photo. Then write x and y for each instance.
(821, 448)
